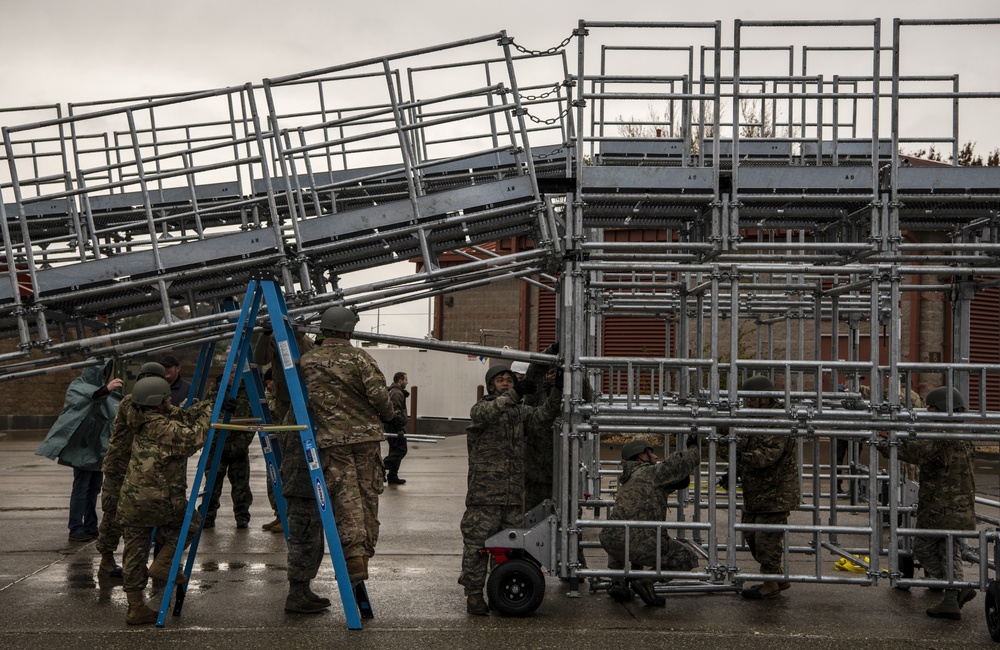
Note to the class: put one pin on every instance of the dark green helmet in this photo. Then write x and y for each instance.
(338, 319)
(150, 391)
(152, 369)
(938, 398)
(633, 448)
(492, 373)
(757, 383)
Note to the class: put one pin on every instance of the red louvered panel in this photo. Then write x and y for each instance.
(984, 345)
(546, 317)
(633, 337)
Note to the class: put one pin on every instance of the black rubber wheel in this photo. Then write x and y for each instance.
(516, 588)
(993, 609)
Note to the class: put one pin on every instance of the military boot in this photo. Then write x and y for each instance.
(298, 603)
(645, 590)
(271, 524)
(476, 605)
(160, 568)
(393, 479)
(308, 593)
(357, 569)
(619, 591)
(108, 567)
(948, 607)
(768, 589)
(138, 613)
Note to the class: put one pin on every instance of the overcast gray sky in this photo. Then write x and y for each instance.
(70, 51)
(75, 51)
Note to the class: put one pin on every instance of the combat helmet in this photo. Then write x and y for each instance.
(152, 369)
(938, 398)
(633, 448)
(150, 391)
(338, 319)
(493, 372)
(757, 383)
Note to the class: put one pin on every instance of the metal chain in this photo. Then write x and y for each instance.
(549, 122)
(551, 50)
(530, 98)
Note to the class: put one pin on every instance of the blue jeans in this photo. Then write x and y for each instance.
(83, 502)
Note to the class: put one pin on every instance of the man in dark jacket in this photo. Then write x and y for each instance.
(179, 387)
(397, 441)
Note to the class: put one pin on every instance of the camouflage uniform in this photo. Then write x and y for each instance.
(642, 495)
(946, 499)
(154, 493)
(769, 471)
(539, 444)
(115, 464)
(234, 463)
(350, 402)
(397, 445)
(279, 403)
(305, 526)
(127, 422)
(495, 497)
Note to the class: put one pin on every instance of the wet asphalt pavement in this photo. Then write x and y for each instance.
(49, 597)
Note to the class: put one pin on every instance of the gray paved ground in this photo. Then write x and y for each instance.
(50, 599)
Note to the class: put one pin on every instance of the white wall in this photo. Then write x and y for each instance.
(447, 381)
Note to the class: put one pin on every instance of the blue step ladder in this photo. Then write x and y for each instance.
(266, 291)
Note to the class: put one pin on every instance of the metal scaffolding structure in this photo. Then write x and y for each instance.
(789, 234)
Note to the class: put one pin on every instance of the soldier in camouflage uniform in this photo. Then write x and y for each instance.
(234, 463)
(495, 497)
(946, 500)
(154, 492)
(350, 402)
(769, 471)
(643, 492)
(127, 420)
(265, 353)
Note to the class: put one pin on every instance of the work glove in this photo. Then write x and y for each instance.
(558, 383)
(692, 441)
(525, 387)
(553, 349)
(229, 405)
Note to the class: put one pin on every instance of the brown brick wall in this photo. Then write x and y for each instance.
(33, 402)
(488, 315)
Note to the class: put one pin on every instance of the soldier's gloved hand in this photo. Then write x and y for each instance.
(723, 481)
(268, 328)
(692, 441)
(229, 405)
(525, 387)
(553, 349)
(558, 383)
